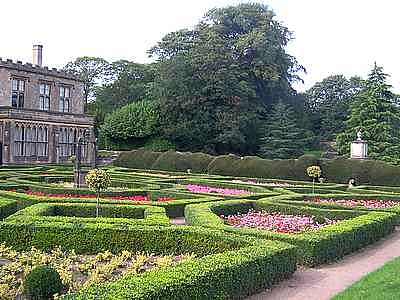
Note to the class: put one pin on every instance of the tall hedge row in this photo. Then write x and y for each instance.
(336, 170)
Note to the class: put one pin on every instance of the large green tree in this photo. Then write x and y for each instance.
(129, 82)
(374, 113)
(92, 70)
(282, 136)
(216, 81)
(329, 102)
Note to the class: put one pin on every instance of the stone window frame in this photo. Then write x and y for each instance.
(62, 107)
(45, 97)
(31, 140)
(18, 96)
(67, 141)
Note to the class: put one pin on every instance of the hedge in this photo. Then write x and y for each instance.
(356, 230)
(174, 208)
(228, 266)
(7, 207)
(85, 213)
(336, 170)
(302, 200)
(230, 275)
(137, 159)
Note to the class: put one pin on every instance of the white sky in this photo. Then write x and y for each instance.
(331, 36)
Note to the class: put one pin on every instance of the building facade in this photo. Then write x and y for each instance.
(42, 114)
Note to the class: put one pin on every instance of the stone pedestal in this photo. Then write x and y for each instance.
(79, 178)
(359, 148)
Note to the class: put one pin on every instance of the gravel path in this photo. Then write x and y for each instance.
(325, 281)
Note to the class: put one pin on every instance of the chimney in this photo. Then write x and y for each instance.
(37, 55)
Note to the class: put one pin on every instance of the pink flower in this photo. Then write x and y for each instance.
(194, 188)
(276, 222)
(368, 203)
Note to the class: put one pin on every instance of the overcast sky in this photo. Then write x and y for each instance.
(331, 36)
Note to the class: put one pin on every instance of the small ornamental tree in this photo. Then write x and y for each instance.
(314, 172)
(98, 180)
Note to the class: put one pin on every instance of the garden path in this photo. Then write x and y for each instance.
(178, 221)
(323, 282)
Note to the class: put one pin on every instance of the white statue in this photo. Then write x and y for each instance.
(359, 135)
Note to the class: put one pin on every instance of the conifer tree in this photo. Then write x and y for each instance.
(374, 113)
(283, 138)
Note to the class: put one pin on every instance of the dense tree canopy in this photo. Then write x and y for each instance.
(92, 70)
(329, 102)
(283, 137)
(374, 113)
(215, 81)
(130, 82)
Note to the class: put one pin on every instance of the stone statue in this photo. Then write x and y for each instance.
(359, 135)
(352, 183)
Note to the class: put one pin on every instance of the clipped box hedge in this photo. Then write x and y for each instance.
(306, 201)
(228, 275)
(356, 230)
(174, 208)
(335, 170)
(86, 213)
(227, 266)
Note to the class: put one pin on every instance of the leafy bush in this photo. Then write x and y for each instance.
(42, 283)
(158, 144)
(135, 120)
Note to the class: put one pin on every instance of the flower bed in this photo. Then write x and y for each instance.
(76, 271)
(368, 203)
(276, 222)
(195, 188)
(119, 198)
(271, 184)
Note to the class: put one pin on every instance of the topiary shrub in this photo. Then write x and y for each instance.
(172, 161)
(199, 161)
(223, 165)
(42, 283)
(137, 159)
(302, 163)
(98, 180)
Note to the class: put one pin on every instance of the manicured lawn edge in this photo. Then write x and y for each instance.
(382, 284)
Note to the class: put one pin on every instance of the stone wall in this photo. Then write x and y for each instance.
(33, 77)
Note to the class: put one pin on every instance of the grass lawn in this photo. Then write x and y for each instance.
(384, 283)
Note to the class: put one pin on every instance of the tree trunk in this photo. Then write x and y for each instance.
(97, 205)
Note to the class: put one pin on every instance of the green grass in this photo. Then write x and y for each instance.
(383, 284)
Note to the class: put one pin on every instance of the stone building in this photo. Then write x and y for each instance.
(42, 114)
